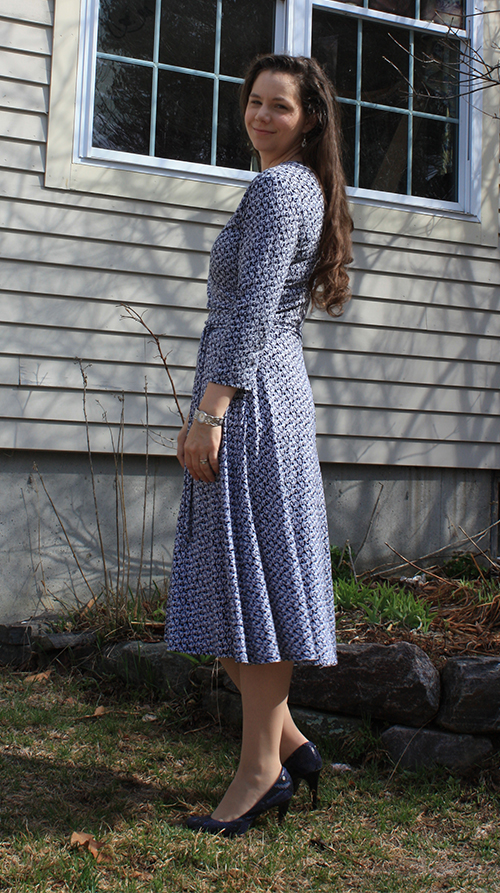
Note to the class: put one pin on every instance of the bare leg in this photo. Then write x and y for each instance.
(291, 736)
(264, 692)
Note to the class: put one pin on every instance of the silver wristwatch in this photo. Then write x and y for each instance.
(206, 419)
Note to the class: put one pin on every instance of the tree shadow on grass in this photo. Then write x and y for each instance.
(49, 797)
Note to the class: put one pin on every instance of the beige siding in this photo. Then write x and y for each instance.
(408, 376)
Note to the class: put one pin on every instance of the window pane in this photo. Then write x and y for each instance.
(396, 7)
(334, 42)
(386, 64)
(233, 149)
(384, 151)
(247, 29)
(122, 109)
(184, 117)
(445, 12)
(437, 69)
(435, 159)
(126, 28)
(187, 35)
(348, 122)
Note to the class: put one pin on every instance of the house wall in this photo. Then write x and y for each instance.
(407, 379)
(48, 523)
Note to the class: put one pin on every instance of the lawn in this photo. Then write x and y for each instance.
(130, 773)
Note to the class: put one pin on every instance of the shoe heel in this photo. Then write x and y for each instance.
(282, 810)
(312, 780)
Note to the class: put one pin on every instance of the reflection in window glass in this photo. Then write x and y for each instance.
(122, 108)
(187, 35)
(348, 122)
(126, 28)
(386, 62)
(184, 117)
(435, 159)
(334, 41)
(233, 148)
(395, 7)
(383, 151)
(437, 69)
(444, 12)
(247, 29)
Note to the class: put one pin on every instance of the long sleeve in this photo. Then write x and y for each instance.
(269, 227)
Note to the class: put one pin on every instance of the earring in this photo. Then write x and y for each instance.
(304, 141)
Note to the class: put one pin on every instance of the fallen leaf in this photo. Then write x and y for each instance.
(81, 839)
(38, 677)
(87, 842)
(149, 717)
(100, 711)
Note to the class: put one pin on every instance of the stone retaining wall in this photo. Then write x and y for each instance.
(450, 718)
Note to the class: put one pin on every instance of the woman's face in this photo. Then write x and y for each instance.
(274, 118)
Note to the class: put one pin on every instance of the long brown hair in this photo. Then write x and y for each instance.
(329, 282)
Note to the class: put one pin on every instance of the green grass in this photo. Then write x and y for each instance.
(383, 603)
(130, 783)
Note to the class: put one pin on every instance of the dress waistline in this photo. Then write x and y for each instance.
(218, 319)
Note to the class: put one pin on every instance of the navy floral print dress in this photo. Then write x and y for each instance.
(251, 575)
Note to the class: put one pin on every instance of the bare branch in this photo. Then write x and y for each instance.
(131, 313)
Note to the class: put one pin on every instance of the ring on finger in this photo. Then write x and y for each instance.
(203, 461)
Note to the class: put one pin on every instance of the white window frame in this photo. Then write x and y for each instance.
(119, 173)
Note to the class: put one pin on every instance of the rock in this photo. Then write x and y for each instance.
(320, 726)
(224, 706)
(48, 642)
(412, 749)
(15, 644)
(396, 683)
(147, 662)
(470, 695)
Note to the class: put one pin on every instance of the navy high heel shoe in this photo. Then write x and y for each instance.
(305, 763)
(279, 795)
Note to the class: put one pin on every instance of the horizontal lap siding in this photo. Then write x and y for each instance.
(409, 375)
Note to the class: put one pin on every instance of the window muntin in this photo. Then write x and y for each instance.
(167, 77)
(399, 90)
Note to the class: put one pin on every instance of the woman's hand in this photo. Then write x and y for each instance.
(198, 451)
(202, 442)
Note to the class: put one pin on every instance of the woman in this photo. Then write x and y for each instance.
(251, 578)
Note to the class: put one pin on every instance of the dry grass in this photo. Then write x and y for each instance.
(129, 781)
(466, 621)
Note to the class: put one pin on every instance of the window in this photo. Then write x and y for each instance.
(396, 65)
(163, 79)
(167, 76)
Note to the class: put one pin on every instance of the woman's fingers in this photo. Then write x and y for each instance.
(201, 450)
(213, 459)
